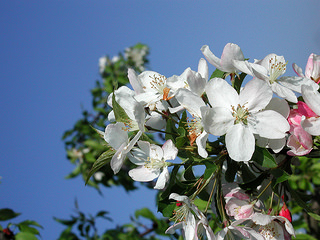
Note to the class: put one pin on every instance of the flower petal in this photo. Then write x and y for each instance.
(190, 101)
(269, 124)
(240, 143)
(221, 94)
(217, 120)
(144, 174)
(169, 150)
(115, 136)
(255, 95)
(311, 98)
(162, 179)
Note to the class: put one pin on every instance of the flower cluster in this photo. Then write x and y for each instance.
(265, 115)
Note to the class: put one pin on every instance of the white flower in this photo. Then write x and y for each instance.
(235, 231)
(150, 88)
(241, 116)
(152, 162)
(191, 80)
(230, 53)
(192, 102)
(185, 219)
(273, 227)
(270, 69)
(117, 137)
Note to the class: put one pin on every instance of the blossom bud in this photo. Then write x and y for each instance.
(285, 212)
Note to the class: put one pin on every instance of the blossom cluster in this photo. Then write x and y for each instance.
(266, 112)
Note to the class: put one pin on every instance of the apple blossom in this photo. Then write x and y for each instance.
(273, 227)
(117, 137)
(241, 116)
(299, 141)
(230, 53)
(189, 218)
(193, 103)
(270, 69)
(312, 71)
(152, 162)
(191, 80)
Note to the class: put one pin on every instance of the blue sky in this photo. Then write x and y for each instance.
(49, 62)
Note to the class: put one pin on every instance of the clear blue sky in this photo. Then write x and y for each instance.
(49, 53)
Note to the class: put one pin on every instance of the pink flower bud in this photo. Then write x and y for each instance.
(285, 212)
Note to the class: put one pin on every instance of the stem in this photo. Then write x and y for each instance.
(210, 197)
(264, 189)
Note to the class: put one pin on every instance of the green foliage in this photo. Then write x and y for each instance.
(25, 230)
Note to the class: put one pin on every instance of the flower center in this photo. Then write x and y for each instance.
(270, 231)
(194, 128)
(180, 215)
(154, 163)
(240, 114)
(276, 69)
(158, 83)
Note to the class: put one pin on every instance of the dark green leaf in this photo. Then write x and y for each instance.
(146, 213)
(218, 74)
(6, 214)
(119, 113)
(100, 162)
(210, 169)
(66, 222)
(25, 236)
(263, 157)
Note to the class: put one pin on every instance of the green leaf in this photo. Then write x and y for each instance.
(254, 183)
(280, 176)
(315, 216)
(210, 169)
(218, 74)
(304, 237)
(6, 214)
(264, 158)
(66, 222)
(146, 213)
(100, 162)
(119, 113)
(25, 236)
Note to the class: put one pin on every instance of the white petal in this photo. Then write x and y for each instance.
(215, 61)
(179, 198)
(162, 179)
(197, 84)
(143, 174)
(269, 124)
(156, 152)
(135, 81)
(279, 105)
(312, 98)
(203, 69)
(115, 136)
(118, 159)
(221, 94)
(293, 83)
(230, 52)
(284, 92)
(240, 143)
(201, 143)
(190, 101)
(137, 156)
(311, 125)
(255, 95)
(298, 70)
(169, 150)
(217, 120)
